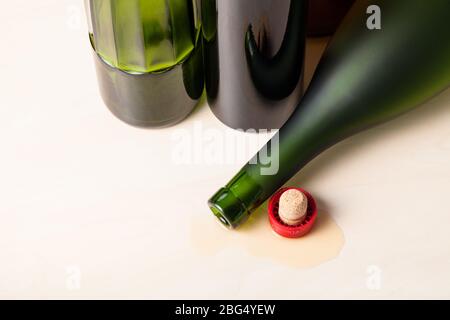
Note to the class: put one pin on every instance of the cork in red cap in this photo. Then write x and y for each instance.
(292, 231)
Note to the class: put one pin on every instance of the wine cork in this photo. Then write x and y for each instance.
(293, 207)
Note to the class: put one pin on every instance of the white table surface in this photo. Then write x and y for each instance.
(93, 208)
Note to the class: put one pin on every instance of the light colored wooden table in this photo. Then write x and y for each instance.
(92, 208)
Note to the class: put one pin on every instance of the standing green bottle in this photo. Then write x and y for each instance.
(367, 76)
(148, 58)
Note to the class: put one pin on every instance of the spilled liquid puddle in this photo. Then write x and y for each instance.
(322, 244)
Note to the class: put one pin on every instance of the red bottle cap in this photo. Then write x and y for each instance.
(292, 231)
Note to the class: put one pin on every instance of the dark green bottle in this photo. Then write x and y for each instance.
(366, 77)
(148, 58)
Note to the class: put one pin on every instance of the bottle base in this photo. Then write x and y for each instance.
(151, 100)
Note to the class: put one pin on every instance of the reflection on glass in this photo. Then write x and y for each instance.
(277, 77)
(254, 75)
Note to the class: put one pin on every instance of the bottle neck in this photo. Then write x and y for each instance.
(233, 204)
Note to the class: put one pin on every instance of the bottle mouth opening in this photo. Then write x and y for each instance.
(219, 215)
(228, 208)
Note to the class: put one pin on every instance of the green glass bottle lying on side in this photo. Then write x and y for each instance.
(366, 76)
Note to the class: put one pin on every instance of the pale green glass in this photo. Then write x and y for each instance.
(141, 36)
(148, 58)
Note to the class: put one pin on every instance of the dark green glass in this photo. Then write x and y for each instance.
(365, 77)
(253, 54)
